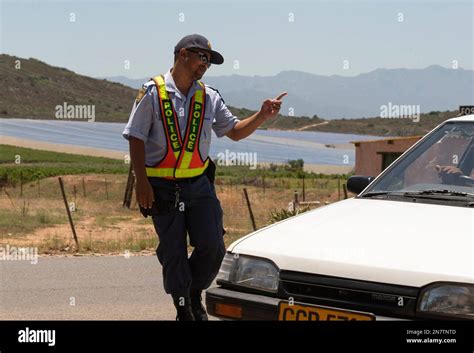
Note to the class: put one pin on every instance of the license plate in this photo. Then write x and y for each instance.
(298, 312)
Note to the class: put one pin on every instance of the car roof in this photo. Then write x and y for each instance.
(463, 118)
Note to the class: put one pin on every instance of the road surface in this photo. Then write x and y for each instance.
(84, 288)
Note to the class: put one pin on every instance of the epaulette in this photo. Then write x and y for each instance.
(142, 91)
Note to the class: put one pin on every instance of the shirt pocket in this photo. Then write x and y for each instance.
(206, 131)
(208, 113)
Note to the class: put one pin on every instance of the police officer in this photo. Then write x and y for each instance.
(169, 133)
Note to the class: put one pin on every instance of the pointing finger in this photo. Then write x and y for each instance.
(281, 96)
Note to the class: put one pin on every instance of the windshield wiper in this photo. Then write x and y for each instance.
(422, 193)
(381, 193)
(438, 193)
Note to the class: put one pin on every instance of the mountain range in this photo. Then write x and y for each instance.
(434, 88)
(30, 88)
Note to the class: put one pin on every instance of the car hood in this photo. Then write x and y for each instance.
(404, 243)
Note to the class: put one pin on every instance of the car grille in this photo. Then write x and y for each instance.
(377, 298)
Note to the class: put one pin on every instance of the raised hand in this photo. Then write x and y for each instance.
(271, 107)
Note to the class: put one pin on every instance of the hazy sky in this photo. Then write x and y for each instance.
(262, 37)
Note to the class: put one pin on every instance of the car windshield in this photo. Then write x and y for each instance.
(442, 162)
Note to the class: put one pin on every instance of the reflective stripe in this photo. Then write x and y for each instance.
(194, 127)
(168, 115)
(192, 172)
(159, 172)
(178, 173)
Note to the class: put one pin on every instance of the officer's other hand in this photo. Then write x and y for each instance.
(145, 195)
(271, 107)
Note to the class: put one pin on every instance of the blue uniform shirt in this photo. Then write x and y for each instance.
(145, 119)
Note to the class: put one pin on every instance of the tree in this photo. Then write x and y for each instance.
(295, 164)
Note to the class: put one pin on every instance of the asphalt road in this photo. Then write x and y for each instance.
(84, 288)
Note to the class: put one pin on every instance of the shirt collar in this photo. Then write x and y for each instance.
(171, 86)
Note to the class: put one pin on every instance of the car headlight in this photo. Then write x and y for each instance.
(451, 300)
(251, 272)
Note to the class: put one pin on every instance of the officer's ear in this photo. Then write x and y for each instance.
(183, 54)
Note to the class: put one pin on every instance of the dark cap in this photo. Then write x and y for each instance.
(198, 41)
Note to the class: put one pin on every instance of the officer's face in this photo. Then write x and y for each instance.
(198, 62)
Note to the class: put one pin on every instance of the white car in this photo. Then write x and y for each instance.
(402, 249)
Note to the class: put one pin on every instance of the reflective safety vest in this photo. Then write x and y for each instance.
(182, 158)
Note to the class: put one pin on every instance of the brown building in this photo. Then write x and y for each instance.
(372, 157)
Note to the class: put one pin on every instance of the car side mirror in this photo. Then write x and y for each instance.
(357, 183)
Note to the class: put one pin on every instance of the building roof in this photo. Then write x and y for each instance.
(390, 139)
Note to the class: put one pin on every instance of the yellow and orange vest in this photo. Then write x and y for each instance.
(182, 158)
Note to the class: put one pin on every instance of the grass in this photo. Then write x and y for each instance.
(104, 220)
(104, 226)
(243, 175)
(277, 215)
(28, 155)
(132, 244)
(33, 213)
(20, 222)
(26, 164)
(36, 165)
(136, 243)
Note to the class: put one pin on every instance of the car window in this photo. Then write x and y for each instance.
(446, 152)
(445, 158)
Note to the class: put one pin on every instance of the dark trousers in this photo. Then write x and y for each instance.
(199, 215)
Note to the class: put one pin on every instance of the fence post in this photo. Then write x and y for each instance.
(338, 188)
(304, 198)
(250, 209)
(84, 187)
(68, 212)
(21, 184)
(127, 197)
(106, 191)
(345, 190)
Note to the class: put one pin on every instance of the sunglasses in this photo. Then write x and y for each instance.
(203, 57)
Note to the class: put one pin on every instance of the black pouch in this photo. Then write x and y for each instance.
(211, 171)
